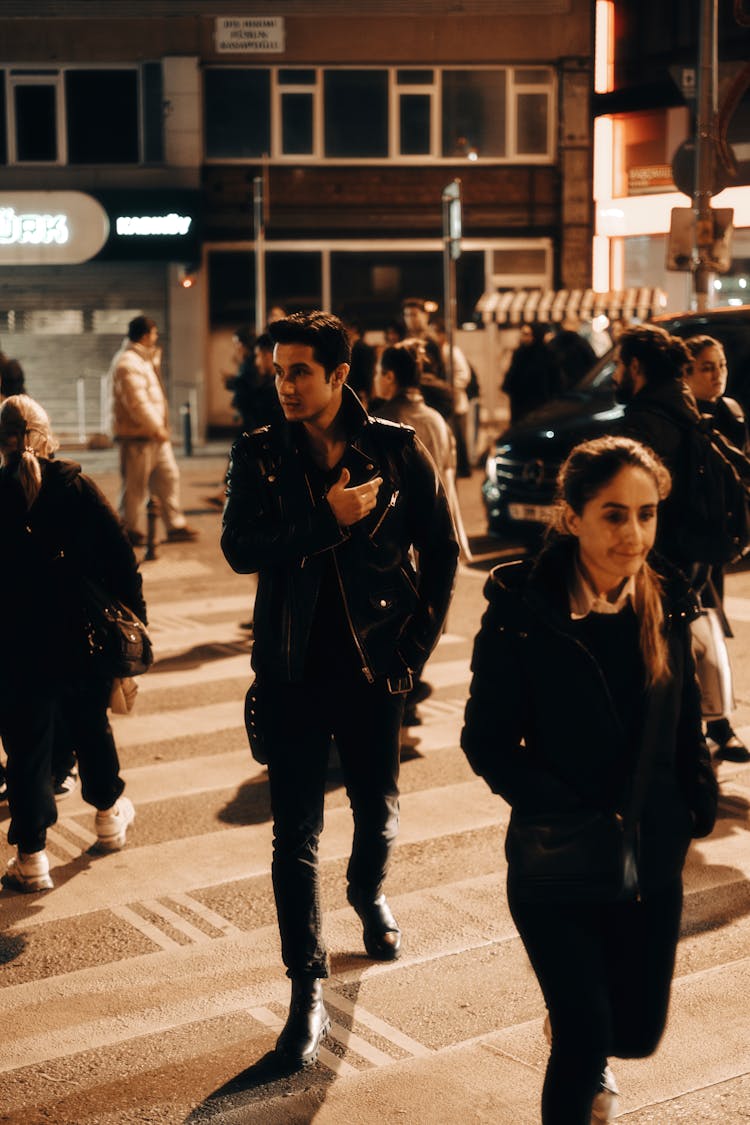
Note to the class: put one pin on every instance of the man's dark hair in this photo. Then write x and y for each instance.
(413, 303)
(12, 381)
(661, 356)
(264, 342)
(323, 332)
(405, 361)
(139, 327)
(245, 335)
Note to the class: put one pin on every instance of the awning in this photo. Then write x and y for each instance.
(551, 306)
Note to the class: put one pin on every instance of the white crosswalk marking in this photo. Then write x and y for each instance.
(187, 909)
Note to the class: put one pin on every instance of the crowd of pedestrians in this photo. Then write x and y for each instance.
(584, 711)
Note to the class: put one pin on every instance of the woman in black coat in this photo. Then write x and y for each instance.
(584, 716)
(707, 379)
(58, 530)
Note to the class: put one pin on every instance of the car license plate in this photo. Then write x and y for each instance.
(537, 513)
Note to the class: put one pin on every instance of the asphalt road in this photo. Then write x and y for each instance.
(147, 988)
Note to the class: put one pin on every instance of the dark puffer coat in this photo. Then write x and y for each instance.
(71, 531)
(541, 727)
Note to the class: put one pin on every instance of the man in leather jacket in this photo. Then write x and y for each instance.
(332, 508)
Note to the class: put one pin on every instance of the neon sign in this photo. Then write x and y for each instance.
(150, 225)
(32, 229)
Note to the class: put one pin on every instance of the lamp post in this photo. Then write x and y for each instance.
(705, 154)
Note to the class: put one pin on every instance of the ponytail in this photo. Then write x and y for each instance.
(650, 614)
(25, 440)
(29, 473)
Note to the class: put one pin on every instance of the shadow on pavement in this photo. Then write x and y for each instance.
(199, 655)
(303, 1091)
(727, 897)
(11, 946)
(265, 1079)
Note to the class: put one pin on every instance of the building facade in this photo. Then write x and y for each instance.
(645, 105)
(348, 120)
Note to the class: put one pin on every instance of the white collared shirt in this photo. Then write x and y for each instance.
(584, 599)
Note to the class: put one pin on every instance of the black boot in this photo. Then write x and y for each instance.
(307, 1023)
(381, 934)
(728, 745)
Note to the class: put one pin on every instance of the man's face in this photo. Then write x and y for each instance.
(628, 379)
(264, 361)
(385, 384)
(416, 320)
(150, 338)
(304, 392)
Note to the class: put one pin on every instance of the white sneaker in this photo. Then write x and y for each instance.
(112, 825)
(606, 1103)
(28, 872)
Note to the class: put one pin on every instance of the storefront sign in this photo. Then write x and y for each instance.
(249, 35)
(50, 228)
(152, 225)
(650, 177)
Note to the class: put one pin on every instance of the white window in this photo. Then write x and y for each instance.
(377, 114)
(83, 115)
(35, 117)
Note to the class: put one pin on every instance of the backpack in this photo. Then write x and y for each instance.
(716, 521)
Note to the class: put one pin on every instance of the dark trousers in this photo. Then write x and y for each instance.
(605, 970)
(29, 720)
(364, 720)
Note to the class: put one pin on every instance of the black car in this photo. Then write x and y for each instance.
(519, 487)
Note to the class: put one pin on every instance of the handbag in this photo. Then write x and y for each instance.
(578, 854)
(116, 638)
(122, 696)
(585, 853)
(712, 664)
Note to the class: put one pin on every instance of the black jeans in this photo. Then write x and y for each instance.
(605, 970)
(301, 719)
(29, 723)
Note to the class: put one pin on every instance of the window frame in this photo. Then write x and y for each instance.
(16, 77)
(28, 74)
(432, 89)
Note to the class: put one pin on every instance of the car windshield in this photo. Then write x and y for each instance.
(599, 378)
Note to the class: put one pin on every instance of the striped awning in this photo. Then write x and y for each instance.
(551, 306)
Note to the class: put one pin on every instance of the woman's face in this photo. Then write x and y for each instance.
(708, 377)
(617, 528)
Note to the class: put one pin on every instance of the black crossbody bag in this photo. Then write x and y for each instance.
(585, 853)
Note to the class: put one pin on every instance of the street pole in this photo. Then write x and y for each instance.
(452, 223)
(259, 230)
(705, 154)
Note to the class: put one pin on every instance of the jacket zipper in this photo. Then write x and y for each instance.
(364, 666)
(389, 506)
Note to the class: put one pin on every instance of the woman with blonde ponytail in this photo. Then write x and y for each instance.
(584, 715)
(58, 531)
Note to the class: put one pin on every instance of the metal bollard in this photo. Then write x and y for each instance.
(153, 511)
(187, 429)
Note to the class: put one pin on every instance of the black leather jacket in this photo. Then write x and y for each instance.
(274, 526)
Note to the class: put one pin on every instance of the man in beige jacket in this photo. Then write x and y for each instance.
(147, 462)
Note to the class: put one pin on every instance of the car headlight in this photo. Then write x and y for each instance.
(490, 468)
